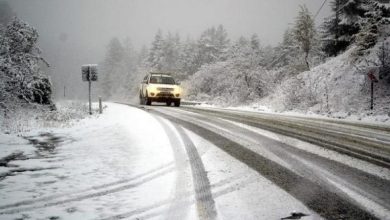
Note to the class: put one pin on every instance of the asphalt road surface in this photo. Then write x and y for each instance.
(331, 166)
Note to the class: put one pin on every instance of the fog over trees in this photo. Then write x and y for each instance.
(214, 63)
(76, 32)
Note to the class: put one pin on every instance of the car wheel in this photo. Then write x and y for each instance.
(147, 100)
(169, 103)
(177, 103)
(141, 100)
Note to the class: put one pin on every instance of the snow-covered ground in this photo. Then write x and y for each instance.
(128, 163)
(97, 168)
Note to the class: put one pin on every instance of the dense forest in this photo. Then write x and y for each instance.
(216, 69)
(220, 70)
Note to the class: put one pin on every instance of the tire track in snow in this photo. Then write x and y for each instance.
(326, 203)
(376, 152)
(180, 205)
(220, 188)
(204, 198)
(129, 185)
(93, 188)
(366, 186)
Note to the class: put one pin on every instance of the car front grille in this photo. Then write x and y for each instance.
(165, 89)
(164, 94)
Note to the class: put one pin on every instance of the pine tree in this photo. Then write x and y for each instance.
(20, 65)
(189, 59)
(112, 66)
(373, 23)
(156, 52)
(351, 19)
(170, 53)
(255, 42)
(304, 32)
(213, 44)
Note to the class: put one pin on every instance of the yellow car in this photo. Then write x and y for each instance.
(160, 87)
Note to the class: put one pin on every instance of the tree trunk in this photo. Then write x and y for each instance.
(306, 60)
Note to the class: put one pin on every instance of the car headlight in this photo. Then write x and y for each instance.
(152, 90)
(177, 91)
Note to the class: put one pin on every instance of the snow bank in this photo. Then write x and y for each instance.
(21, 119)
(338, 88)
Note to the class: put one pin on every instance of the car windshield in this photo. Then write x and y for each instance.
(162, 80)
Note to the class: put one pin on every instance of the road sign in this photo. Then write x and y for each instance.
(89, 72)
(371, 76)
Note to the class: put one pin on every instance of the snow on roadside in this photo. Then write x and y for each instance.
(97, 168)
(27, 118)
(338, 88)
(257, 107)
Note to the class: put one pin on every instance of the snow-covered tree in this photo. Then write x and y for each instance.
(165, 53)
(189, 58)
(171, 52)
(20, 65)
(213, 44)
(112, 68)
(384, 60)
(339, 28)
(156, 53)
(351, 19)
(373, 23)
(119, 69)
(304, 32)
(286, 57)
(255, 42)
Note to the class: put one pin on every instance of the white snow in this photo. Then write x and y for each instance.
(112, 164)
(122, 164)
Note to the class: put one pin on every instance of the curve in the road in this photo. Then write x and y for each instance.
(340, 142)
(326, 203)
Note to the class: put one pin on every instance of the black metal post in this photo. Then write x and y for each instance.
(372, 94)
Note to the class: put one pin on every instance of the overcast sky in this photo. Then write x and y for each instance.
(140, 19)
(73, 32)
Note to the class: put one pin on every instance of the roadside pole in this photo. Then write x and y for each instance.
(89, 91)
(100, 105)
(373, 79)
(372, 95)
(89, 73)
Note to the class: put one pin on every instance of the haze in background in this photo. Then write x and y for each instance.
(76, 32)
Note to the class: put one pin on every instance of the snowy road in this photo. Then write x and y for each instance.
(157, 162)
